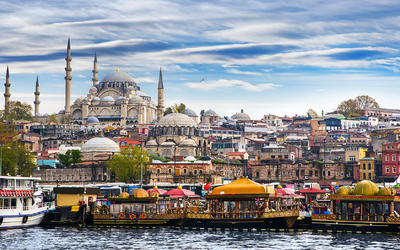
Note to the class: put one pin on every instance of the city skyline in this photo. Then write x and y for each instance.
(264, 57)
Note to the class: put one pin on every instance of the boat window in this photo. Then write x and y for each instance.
(6, 203)
(366, 207)
(13, 203)
(337, 207)
(344, 211)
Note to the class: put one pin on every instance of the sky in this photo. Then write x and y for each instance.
(265, 57)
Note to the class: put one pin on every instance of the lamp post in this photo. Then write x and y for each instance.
(1, 158)
(174, 163)
(141, 164)
(324, 159)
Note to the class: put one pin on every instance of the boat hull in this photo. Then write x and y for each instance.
(160, 220)
(278, 220)
(324, 224)
(11, 221)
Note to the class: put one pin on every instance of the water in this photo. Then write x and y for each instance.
(117, 238)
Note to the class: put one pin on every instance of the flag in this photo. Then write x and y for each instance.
(207, 186)
(330, 187)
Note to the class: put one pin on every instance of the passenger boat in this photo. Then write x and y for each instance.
(242, 204)
(364, 209)
(140, 209)
(18, 205)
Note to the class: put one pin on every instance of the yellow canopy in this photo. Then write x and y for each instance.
(240, 186)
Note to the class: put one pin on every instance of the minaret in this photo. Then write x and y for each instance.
(68, 79)
(7, 92)
(37, 93)
(95, 71)
(160, 106)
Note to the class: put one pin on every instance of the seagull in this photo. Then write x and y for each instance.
(203, 79)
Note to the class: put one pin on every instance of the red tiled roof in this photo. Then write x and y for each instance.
(235, 153)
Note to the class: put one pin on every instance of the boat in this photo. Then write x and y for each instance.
(242, 204)
(19, 205)
(366, 208)
(140, 209)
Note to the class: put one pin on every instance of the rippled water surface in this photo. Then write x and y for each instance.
(85, 238)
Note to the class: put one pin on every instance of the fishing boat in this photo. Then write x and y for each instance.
(242, 204)
(19, 206)
(140, 209)
(366, 208)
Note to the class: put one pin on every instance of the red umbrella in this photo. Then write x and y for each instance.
(284, 191)
(156, 189)
(312, 191)
(179, 192)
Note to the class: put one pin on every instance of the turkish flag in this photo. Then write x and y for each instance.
(207, 186)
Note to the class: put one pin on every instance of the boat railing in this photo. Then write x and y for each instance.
(12, 187)
(136, 215)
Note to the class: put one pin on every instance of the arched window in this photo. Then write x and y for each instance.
(183, 152)
(166, 152)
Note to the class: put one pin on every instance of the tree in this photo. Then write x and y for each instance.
(17, 111)
(349, 107)
(17, 160)
(175, 108)
(52, 119)
(312, 113)
(126, 164)
(70, 157)
(365, 101)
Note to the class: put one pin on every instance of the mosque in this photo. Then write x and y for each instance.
(117, 100)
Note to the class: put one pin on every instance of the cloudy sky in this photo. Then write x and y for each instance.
(266, 57)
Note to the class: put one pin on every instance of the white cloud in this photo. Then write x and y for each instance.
(224, 84)
(235, 71)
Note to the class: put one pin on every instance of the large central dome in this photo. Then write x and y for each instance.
(117, 76)
(176, 119)
(100, 144)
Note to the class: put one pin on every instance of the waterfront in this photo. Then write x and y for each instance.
(119, 238)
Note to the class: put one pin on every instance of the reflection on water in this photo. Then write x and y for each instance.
(77, 238)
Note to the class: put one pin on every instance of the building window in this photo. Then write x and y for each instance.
(184, 170)
(158, 171)
(394, 169)
(85, 177)
(341, 173)
(258, 174)
(67, 178)
(387, 157)
(352, 158)
(169, 171)
(369, 166)
(329, 173)
(364, 176)
(72, 177)
(59, 177)
(369, 176)
(316, 173)
(80, 177)
(201, 171)
(195, 172)
(387, 169)
(364, 166)
(393, 157)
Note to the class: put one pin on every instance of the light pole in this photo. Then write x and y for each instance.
(1, 158)
(324, 159)
(141, 164)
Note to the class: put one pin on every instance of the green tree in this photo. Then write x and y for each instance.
(126, 164)
(365, 101)
(52, 119)
(349, 107)
(175, 108)
(17, 111)
(17, 159)
(70, 157)
(312, 113)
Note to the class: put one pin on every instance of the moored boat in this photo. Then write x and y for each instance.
(242, 204)
(139, 209)
(19, 207)
(364, 209)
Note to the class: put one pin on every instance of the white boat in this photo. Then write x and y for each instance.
(19, 207)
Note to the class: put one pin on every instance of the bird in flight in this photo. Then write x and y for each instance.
(203, 79)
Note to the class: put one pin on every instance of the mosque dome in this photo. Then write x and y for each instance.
(100, 144)
(130, 88)
(190, 112)
(176, 119)
(188, 142)
(96, 101)
(119, 100)
(92, 120)
(241, 116)
(139, 193)
(210, 112)
(141, 93)
(135, 99)
(168, 143)
(62, 111)
(152, 143)
(366, 187)
(117, 76)
(38, 114)
(108, 100)
(46, 114)
(79, 100)
(93, 90)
